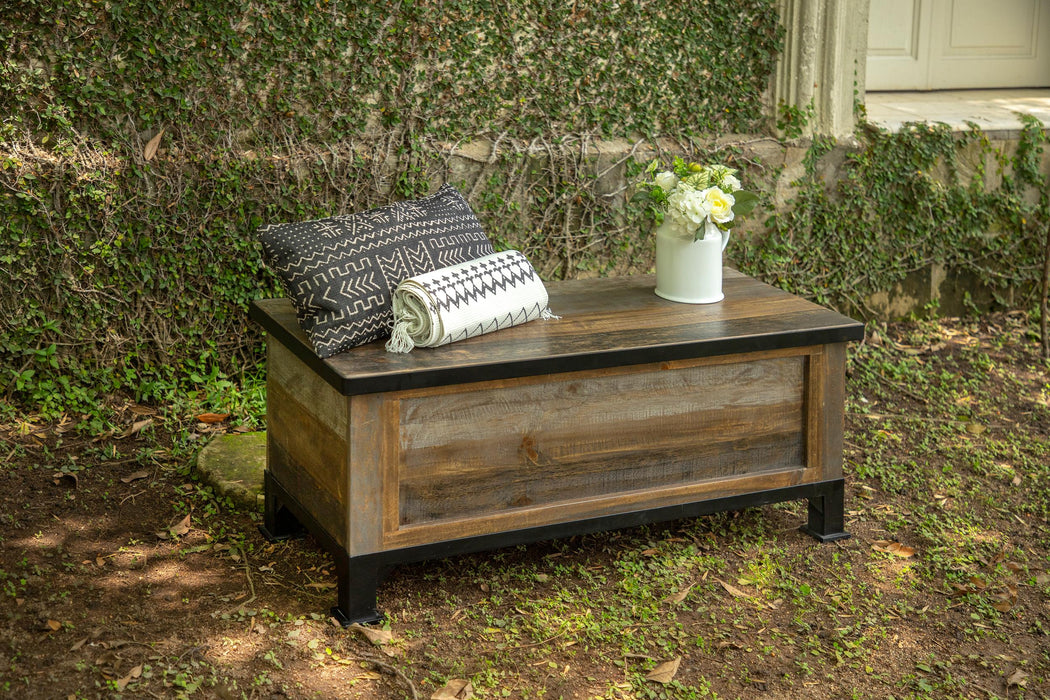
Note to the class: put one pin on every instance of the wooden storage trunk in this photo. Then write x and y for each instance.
(629, 409)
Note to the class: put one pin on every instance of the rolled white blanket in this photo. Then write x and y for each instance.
(465, 300)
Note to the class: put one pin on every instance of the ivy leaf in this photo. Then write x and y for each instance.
(745, 203)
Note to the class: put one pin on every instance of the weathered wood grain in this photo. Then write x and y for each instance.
(582, 509)
(604, 323)
(372, 446)
(306, 448)
(574, 437)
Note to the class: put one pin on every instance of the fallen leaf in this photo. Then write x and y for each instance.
(1016, 481)
(895, 548)
(733, 590)
(177, 530)
(183, 527)
(1005, 600)
(132, 675)
(665, 672)
(212, 417)
(55, 625)
(136, 428)
(100, 561)
(153, 145)
(455, 689)
(320, 585)
(1003, 605)
(79, 643)
(135, 476)
(680, 595)
(376, 636)
(1018, 678)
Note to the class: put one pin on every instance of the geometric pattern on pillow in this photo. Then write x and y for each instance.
(341, 272)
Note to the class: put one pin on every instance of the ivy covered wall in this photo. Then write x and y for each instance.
(143, 143)
(256, 73)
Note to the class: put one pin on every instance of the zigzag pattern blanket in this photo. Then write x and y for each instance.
(466, 300)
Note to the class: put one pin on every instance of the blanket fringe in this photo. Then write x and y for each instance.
(548, 315)
(400, 340)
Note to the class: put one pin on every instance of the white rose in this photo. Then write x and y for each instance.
(666, 180)
(719, 204)
(731, 183)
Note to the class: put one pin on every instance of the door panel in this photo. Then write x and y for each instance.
(897, 53)
(953, 44)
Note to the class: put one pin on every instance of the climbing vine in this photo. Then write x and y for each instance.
(902, 202)
(143, 143)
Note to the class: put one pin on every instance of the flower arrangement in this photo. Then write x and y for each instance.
(689, 195)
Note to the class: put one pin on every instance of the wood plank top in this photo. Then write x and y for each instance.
(604, 323)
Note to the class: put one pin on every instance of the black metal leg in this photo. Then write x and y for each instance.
(278, 522)
(358, 580)
(827, 514)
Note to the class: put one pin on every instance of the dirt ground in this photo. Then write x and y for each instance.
(122, 576)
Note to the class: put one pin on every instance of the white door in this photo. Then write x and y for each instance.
(955, 44)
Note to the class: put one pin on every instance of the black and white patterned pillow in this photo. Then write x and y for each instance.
(341, 272)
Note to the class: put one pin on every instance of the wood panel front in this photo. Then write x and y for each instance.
(500, 455)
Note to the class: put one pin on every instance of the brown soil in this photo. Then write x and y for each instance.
(106, 589)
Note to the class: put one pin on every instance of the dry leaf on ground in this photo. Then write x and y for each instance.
(1018, 678)
(177, 530)
(455, 689)
(132, 675)
(665, 672)
(153, 145)
(135, 428)
(1004, 601)
(733, 590)
(895, 548)
(379, 637)
(680, 595)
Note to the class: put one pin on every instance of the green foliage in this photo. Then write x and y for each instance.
(904, 201)
(256, 73)
(143, 144)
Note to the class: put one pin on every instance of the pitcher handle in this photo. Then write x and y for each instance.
(725, 239)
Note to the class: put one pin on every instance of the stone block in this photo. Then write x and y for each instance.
(233, 465)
